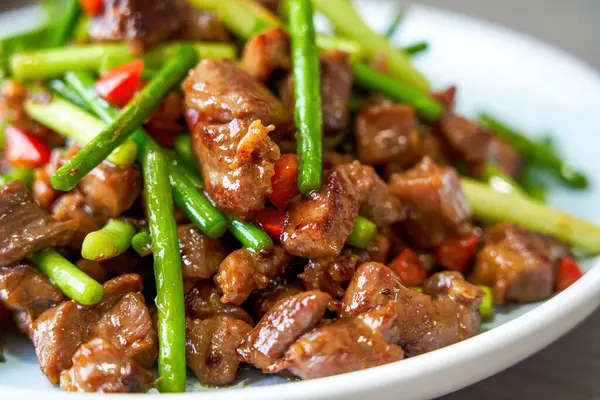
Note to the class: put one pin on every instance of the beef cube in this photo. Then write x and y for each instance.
(267, 55)
(200, 256)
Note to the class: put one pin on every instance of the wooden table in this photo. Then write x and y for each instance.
(569, 368)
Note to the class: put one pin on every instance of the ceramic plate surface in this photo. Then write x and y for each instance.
(521, 80)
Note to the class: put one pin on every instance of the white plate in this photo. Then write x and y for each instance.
(531, 84)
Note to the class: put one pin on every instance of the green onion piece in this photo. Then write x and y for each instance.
(416, 48)
(486, 307)
(427, 108)
(72, 122)
(130, 118)
(395, 25)
(142, 243)
(307, 94)
(112, 239)
(539, 153)
(72, 281)
(59, 87)
(167, 271)
(499, 181)
(363, 233)
(348, 23)
(250, 235)
(490, 205)
(24, 175)
(533, 183)
(176, 163)
(183, 147)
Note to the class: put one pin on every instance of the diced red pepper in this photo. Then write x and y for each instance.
(271, 221)
(119, 85)
(409, 268)
(91, 7)
(284, 183)
(24, 149)
(568, 273)
(456, 253)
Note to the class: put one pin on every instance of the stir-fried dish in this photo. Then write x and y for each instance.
(212, 184)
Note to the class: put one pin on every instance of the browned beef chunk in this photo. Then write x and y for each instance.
(376, 201)
(42, 189)
(261, 302)
(318, 225)
(344, 346)
(121, 318)
(330, 274)
(446, 314)
(387, 133)
(379, 249)
(25, 227)
(98, 366)
(336, 86)
(109, 190)
(200, 256)
(518, 264)
(93, 269)
(229, 114)
(211, 348)
(202, 301)
(437, 206)
(72, 207)
(476, 147)
(23, 287)
(281, 326)
(446, 98)
(202, 26)
(245, 271)
(267, 54)
(140, 23)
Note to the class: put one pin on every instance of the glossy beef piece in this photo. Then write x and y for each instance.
(318, 225)
(267, 55)
(23, 287)
(140, 23)
(109, 190)
(121, 318)
(344, 346)
(230, 116)
(211, 348)
(98, 366)
(281, 326)
(447, 314)
(475, 146)
(336, 86)
(447, 97)
(93, 269)
(72, 207)
(518, 264)
(200, 256)
(245, 271)
(330, 274)
(202, 26)
(43, 192)
(261, 302)
(202, 301)
(25, 227)
(387, 133)
(376, 201)
(437, 206)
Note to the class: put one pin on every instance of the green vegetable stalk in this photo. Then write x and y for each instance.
(142, 243)
(112, 239)
(363, 233)
(167, 271)
(250, 235)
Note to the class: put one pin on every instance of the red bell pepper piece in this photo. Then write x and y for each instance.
(409, 268)
(568, 273)
(24, 149)
(284, 183)
(91, 7)
(119, 85)
(456, 253)
(271, 221)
